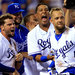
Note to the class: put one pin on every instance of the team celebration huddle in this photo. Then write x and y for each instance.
(37, 37)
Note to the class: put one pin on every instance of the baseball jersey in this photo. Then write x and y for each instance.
(39, 42)
(20, 38)
(64, 49)
(7, 52)
(21, 41)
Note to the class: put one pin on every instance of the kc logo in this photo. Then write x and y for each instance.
(16, 6)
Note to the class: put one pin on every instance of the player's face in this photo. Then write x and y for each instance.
(58, 20)
(17, 17)
(43, 15)
(33, 22)
(73, 17)
(9, 27)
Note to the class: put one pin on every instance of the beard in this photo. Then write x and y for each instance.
(61, 29)
(9, 35)
(17, 22)
(46, 25)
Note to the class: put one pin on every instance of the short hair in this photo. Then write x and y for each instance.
(4, 17)
(27, 18)
(39, 5)
(55, 9)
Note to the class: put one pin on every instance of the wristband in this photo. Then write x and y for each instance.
(44, 58)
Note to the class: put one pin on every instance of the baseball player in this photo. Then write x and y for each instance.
(39, 39)
(21, 39)
(30, 21)
(8, 49)
(63, 43)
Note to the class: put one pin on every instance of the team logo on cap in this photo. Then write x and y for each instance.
(16, 6)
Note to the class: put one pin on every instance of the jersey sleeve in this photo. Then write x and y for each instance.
(32, 44)
(1, 50)
(15, 46)
(4, 68)
(73, 34)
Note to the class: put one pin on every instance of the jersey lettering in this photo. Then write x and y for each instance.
(65, 49)
(44, 44)
(10, 53)
(22, 45)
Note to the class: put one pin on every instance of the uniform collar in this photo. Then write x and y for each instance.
(51, 28)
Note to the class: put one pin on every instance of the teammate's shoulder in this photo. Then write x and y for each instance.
(1, 39)
(23, 28)
(13, 40)
(72, 29)
(34, 30)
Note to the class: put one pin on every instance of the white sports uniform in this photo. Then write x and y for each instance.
(39, 42)
(64, 50)
(7, 52)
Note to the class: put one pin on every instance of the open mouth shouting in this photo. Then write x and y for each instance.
(44, 18)
(12, 31)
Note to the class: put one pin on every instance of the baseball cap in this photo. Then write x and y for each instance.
(14, 8)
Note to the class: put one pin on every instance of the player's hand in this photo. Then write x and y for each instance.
(10, 74)
(50, 57)
(64, 2)
(51, 53)
(19, 57)
(30, 57)
(16, 73)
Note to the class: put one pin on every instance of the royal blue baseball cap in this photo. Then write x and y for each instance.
(14, 8)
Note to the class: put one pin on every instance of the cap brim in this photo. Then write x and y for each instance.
(16, 11)
(19, 11)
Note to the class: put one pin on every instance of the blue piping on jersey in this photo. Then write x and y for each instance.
(70, 70)
(52, 65)
(4, 68)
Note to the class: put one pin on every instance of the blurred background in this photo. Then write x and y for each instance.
(29, 5)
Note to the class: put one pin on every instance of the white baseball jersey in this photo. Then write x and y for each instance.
(7, 52)
(64, 50)
(39, 42)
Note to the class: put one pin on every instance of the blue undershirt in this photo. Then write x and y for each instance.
(58, 36)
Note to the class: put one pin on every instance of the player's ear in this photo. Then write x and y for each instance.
(2, 27)
(51, 20)
(27, 25)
